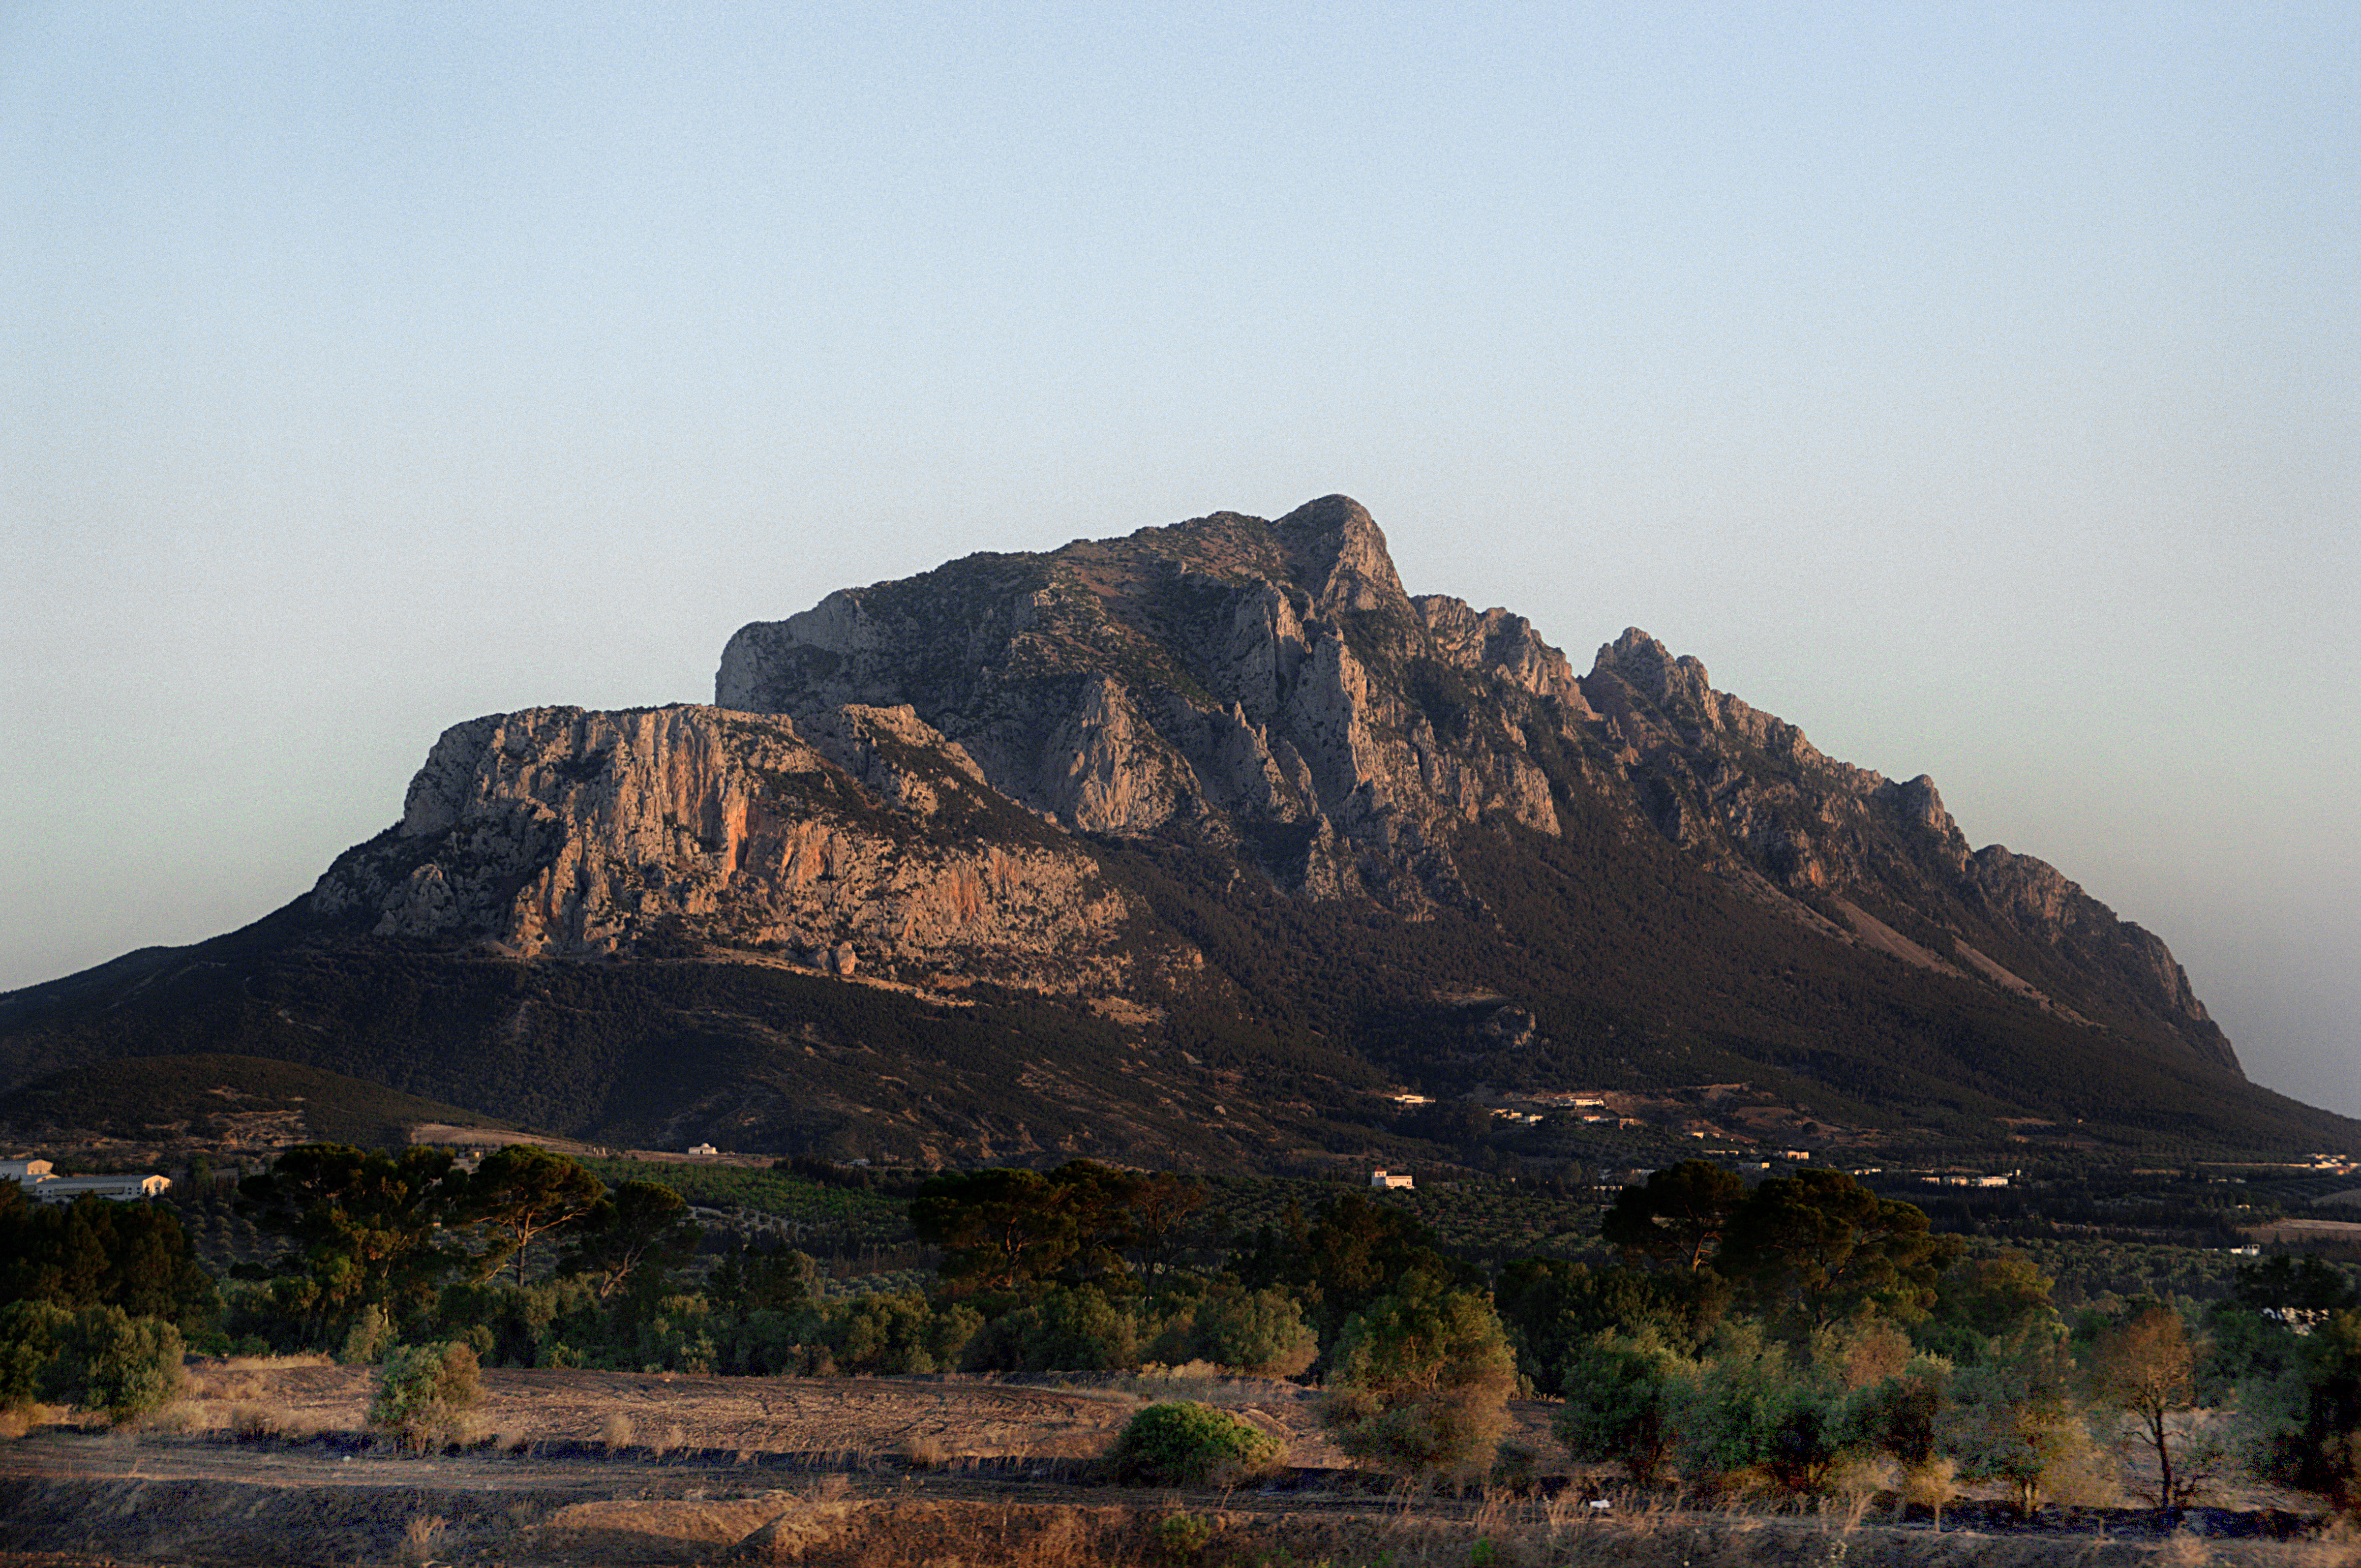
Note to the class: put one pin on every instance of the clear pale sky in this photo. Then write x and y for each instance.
(1974, 387)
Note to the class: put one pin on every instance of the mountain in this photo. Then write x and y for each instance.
(1189, 845)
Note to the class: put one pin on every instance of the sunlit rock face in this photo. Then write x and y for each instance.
(559, 832)
(1269, 688)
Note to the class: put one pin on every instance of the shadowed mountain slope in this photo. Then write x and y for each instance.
(1181, 848)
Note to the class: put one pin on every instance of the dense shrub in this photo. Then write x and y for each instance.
(1068, 1330)
(899, 1331)
(121, 1366)
(1752, 1416)
(369, 1338)
(2310, 1424)
(1422, 1382)
(1261, 1332)
(676, 1336)
(1620, 1391)
(29, 1332)
(425, 1393)
(1185, 1443)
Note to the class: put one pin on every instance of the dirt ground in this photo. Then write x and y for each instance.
(600, 1468)
(847, 1421)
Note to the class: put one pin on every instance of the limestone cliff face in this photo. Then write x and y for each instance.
(1748, 795)
(871, 844)
(1268, 686)
(1226, 678)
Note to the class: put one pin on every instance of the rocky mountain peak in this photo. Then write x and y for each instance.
(1340, 555)
(1204, 813)
(1652, 669)
(1269, 688)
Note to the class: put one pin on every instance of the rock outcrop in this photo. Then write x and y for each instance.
(1190, 847)
(1269, 686)
(561, 832)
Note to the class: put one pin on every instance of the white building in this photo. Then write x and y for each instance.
(122, 1189)
(1378, 1178)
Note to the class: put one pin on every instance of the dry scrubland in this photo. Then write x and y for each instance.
(265, 1463)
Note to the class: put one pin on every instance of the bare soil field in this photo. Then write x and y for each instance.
(609, 1468)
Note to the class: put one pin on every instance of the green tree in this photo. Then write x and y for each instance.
(1002, 1232)
(521, 1191)
(1554, 1308)
(94, 1252)
(1677, 1217)
(2311, 1421)
(370, 1227)
(1622, 1395)
(1421, 1380)
(1755, 1410)
(1992, 1296)
(1818, 1245)
(1903, 1414)
(749, 1279)
(2014, 1419)
(29, 1332)
(119, 1366)
(1259, 1332)
(1159, 1225)
(1348, 1256)
(895, 1333)
(632, 1237)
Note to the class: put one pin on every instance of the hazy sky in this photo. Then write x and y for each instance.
(1974, 387)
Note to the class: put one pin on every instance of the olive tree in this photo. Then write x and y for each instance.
(1419, 1382)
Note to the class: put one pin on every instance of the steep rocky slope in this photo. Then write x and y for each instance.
(1191, 846)
(1270, 685)
(557, 832)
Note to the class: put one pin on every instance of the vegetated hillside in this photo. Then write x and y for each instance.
(1183, 849)
(657, 1052)
(231, 1103)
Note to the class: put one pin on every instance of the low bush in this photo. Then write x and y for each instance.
(369, 1339)
(424, 1394)
(117, 1365)
(29, 1332)
(268, 1423)
(1188, 1444)
(1421, 1383)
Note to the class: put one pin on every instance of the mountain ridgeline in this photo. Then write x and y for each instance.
(1180, 848)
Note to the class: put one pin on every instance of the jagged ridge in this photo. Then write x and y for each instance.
(1176, 847)
(1270, 685)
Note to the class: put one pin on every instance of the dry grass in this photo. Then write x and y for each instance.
(268, 1423)
(420, 1538)
(269, 1363)
(617, 1431)
(920, 1452)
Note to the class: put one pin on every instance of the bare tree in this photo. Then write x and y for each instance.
(2147, 1367)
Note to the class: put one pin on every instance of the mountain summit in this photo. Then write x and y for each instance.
(1271, 687)
(1192, 844)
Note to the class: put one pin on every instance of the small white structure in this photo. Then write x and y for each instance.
(703, 1149)
(122, 1189)
(26, 1170)
(1378, 1178)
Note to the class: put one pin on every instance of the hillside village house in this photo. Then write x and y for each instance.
(39, 1184)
